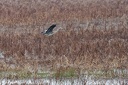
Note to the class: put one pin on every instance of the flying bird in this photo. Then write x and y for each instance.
(49, 31)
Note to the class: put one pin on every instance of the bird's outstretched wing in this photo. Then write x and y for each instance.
(50, 29)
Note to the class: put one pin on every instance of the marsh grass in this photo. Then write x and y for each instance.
(68, 73)
(71, 50)
(43, 75)
(110, 74)
(43, 12)
(87, 49)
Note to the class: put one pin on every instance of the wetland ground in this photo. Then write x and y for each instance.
(91, 39)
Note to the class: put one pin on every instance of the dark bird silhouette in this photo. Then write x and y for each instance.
(49, 31)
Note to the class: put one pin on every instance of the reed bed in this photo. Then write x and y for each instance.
(88, 49)
(81, 48)
(18, 13)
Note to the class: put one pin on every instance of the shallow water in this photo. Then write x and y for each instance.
(73, 81)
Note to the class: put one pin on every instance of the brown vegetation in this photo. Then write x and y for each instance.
(82, 48)
(31, 12)
(95, 48)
